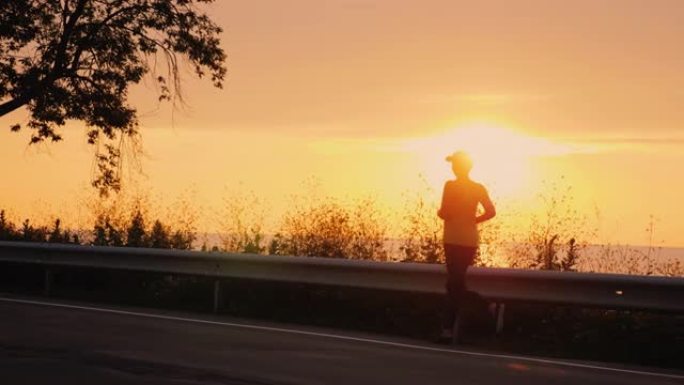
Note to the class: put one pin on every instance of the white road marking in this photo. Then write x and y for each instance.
(345, 338)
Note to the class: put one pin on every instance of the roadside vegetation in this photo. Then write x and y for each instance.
(556, 237)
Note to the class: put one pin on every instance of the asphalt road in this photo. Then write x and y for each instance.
(49, 343)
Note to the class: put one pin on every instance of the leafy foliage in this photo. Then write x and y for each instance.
(422, 232)
(242, 223)
(125, 223)
(556, 236)
(75, 59)
(135, 234)
(159, 236)
(326, 228)
(106, 232)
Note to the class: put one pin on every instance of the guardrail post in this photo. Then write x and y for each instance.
(500, 309)
(47, 286)
(217, 295)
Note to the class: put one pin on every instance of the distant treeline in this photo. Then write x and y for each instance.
(104, 233)
(27, 232)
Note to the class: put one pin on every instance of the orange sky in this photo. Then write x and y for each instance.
(365, 95)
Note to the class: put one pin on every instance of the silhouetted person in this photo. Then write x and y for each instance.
(460, 201)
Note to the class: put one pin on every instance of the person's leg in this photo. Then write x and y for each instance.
(458, 258)
(456, 266)
(452, 288)
(466, 257)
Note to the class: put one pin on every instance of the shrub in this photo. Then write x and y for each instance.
(421, 235)
(242, 223)
(330, 229)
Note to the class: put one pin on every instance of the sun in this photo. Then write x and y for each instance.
(502, 158)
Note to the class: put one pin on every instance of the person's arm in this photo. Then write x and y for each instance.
(489, 209)
(442, 212)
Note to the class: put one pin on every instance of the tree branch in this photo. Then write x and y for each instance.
(13, 104)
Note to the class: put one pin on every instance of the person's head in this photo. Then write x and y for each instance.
(461, 164)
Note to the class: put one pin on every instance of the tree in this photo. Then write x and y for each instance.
(181, 240)
(106, 233)
(33, 234)
(100, 232)
(75, 59)
(159, 236)
(56, 235)
(135, 234)
(114, 235)
(7, 229)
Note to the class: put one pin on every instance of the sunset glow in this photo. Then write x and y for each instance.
(369, 97)
(502, 157)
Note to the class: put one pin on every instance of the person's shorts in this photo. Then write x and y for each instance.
(459, 257)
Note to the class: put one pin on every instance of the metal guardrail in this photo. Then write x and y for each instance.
(497, 285)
